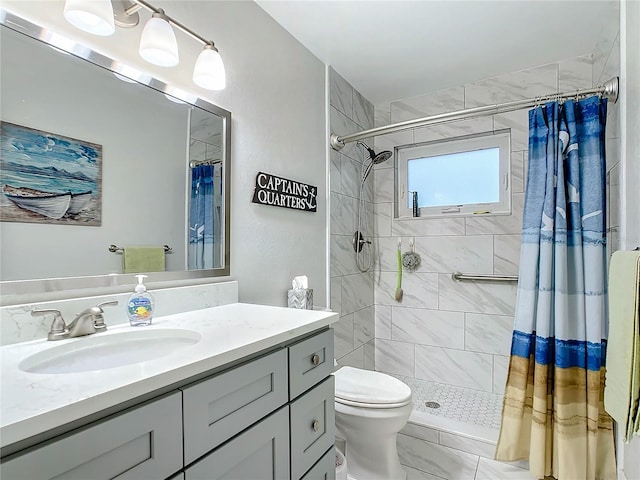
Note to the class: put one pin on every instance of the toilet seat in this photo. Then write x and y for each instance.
(371, 405)
(368, 389)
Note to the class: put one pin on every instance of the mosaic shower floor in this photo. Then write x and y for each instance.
(456, 403)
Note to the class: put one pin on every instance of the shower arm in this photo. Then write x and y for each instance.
(608, 90)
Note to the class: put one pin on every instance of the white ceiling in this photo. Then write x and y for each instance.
(390, 50)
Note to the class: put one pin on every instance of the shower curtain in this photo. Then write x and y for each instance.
(201, 218)
(553, 413)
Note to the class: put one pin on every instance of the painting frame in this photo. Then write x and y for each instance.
(49, 178)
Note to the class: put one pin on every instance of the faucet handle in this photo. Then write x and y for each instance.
(59, 328)
(106, 304)
(98, 318)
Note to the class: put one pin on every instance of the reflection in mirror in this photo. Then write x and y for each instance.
(205, 201)
(152, 151)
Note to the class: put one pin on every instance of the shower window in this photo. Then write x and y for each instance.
(461, 176)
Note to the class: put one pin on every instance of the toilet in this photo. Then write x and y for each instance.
(371, 408)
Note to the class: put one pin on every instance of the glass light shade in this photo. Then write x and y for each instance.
(158, 43)
(209, 71)
(93, 16)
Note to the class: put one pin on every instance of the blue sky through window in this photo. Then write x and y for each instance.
(455, 179)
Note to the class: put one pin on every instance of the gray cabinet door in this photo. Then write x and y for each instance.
(218, 408)
(309, 362)
(144, 442)
(325, 469)
(312, 426)
(260, 453)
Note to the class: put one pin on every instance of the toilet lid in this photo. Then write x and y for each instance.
(372, 388)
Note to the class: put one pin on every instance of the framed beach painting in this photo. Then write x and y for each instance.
(49, 178)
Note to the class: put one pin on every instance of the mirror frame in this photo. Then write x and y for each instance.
(44, 286)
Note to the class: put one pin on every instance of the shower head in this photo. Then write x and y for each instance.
(379, 157)
(382, 157)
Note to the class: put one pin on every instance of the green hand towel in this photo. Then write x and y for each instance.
(623, 350)
(143, 259)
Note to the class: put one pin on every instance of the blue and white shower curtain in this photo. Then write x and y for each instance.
(202, 217)
(553, 413)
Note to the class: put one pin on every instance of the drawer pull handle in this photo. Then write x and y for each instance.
(315, 425)
(315, 359)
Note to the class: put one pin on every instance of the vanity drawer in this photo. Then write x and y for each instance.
(325, 469)
(262, 452)
(310, 361)
(144, 442)
(312, 418)
(220, 407)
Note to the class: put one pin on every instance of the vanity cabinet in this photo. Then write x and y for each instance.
(143, 442)
(324, 469)
(312, 426)
(310, 361)
(260, 452)
(269, 418)
(217, 408)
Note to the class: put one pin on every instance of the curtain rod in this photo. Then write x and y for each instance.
(609, 90)
(197, 163)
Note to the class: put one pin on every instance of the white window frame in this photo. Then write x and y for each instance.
(498, 139)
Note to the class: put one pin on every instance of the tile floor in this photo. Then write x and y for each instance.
(456, 441)
(456, 403)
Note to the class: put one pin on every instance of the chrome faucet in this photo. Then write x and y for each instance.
(87, 322)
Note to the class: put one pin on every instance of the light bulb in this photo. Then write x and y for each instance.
(209, 70)
(93, 16)
(158, 43)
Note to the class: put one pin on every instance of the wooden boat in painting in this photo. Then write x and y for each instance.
(79, 202)
(51, 205)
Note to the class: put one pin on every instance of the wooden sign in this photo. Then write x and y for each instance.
(282, 192)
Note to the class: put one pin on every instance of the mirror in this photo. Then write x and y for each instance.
(150, 145)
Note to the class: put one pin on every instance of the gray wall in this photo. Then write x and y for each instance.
(276, 94)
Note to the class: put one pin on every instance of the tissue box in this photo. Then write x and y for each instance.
(300, 298)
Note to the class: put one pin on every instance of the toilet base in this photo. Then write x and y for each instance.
(367, 465)
(370, 436)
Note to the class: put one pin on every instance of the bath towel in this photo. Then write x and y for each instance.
(622, 388)
(143, 259)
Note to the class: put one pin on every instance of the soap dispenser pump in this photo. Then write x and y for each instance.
(140, 305)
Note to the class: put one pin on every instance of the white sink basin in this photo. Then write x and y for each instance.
(102, 351)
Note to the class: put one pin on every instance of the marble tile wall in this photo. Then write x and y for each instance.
(352, 292)
(447, 331)
(606, 64)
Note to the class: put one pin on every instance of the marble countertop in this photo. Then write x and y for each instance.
(31, 403)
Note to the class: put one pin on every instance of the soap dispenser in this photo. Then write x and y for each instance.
(140, 305)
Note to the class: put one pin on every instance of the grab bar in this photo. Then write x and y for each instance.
(116, 249)
(459, 277)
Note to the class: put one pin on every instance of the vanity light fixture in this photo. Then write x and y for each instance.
(158, 43)
(209, 70)
(94, 17)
